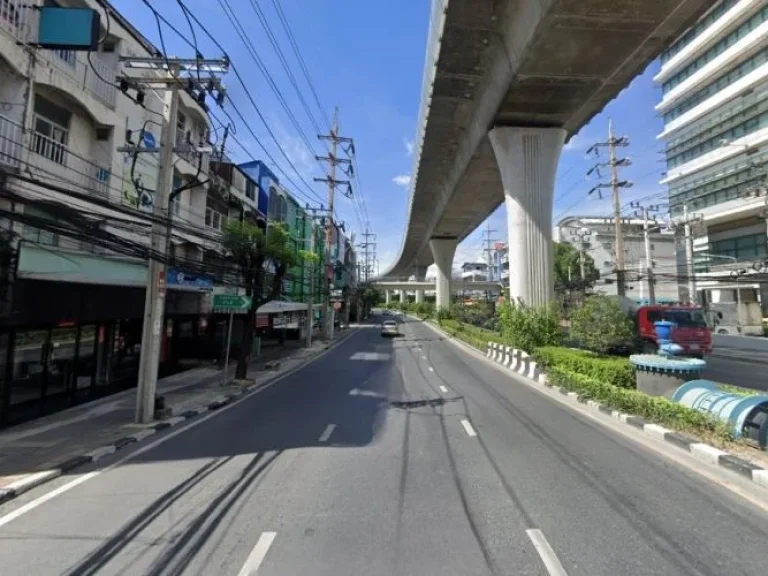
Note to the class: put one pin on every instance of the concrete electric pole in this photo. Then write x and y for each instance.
(615, 186)
(649, 257)
(171, 74)
(333, 161)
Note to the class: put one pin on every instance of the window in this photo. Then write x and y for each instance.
(741, 248)
(37, 235)
(51, 130)
(214, 219)
(250, 190)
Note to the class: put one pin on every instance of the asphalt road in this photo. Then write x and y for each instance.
(738, 367)
(405, 456)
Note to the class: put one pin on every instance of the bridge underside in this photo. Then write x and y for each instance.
(524, 63)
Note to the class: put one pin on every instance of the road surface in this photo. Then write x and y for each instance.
(739, 367)
(389, 457)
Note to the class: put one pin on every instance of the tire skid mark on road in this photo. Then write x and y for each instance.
(439, 412)
(662, 541)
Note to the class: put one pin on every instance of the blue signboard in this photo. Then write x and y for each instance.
(181, 278)
(149, 139)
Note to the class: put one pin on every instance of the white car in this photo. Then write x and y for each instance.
(389, 328)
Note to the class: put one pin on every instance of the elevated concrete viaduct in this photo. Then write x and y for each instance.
(506, 83)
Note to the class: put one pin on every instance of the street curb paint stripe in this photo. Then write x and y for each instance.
(703, 452)
(7, 494)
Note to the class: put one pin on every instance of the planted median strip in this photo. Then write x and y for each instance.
(606, 384)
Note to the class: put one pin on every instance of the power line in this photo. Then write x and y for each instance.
(284, 62)
(292, 40)
(247, 92)
(235, 23)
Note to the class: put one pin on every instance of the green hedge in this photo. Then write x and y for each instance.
(612, 370)
(655, 409)
(472, 335)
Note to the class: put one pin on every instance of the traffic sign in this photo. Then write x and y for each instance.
(232, 303)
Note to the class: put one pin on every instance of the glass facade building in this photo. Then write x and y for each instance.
(714, 86)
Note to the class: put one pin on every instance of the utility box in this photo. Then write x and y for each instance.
(69, 28)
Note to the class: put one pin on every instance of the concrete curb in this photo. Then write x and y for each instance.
(525, 366)
(33, 480)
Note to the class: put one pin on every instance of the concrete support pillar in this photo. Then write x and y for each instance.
(527, 159)
(421, 276)
(443, 250)
(388, 297)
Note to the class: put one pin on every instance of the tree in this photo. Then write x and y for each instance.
(567, 256)
(530, 327)
(601, 325)
(252, 250)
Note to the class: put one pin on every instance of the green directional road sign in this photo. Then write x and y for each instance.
(231, 303)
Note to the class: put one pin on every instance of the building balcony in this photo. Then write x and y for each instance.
(50, 160)
(77, 75)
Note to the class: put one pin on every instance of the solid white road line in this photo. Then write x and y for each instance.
(443, 389)
(327, 432)
(147, 447)
(468, 428)
(256, 557)
(546, 553)
(43, 499)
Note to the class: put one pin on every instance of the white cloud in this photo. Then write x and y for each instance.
(576, 143)
(408, 146)
(403, 180)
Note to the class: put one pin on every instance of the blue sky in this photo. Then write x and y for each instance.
(367, 59)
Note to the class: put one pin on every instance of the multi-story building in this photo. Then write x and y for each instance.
(714, 81)
(77, 217)
(474, 271)
(596, 237)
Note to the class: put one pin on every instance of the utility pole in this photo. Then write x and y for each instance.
(615, 186)
(168, 77)
(649, 257)
(488, 240)
(366, 245)
(311, 291)
(333, 161)
(692, 293)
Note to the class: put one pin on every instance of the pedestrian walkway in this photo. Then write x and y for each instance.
(46, 443)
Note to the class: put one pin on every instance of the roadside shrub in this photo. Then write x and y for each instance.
(609, 369)
(601, 325)
(472, 335)
(528, 328)
(652, 408)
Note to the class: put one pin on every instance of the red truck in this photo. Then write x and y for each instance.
(691, 330)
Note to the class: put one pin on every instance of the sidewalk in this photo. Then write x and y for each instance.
(38, 451)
